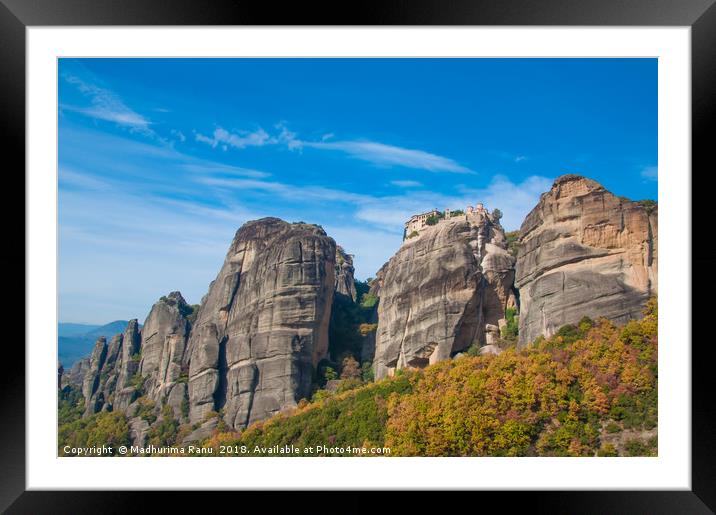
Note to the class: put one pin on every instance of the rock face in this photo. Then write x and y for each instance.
(164, 339)
(251, 349)
(263, 326)
(345, 282)
(91, 391)
(106, 374)
(75, 376)
(584, 251)
(128, 366)
(440, 291)
(257, 337)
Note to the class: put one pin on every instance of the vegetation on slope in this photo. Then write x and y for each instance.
(351, 323)
(589, 390)
(555, 398)
(512, 238)
(355, 418)
(104, 428)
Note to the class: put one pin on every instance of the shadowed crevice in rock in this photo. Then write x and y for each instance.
(468, 327)
(220, 393)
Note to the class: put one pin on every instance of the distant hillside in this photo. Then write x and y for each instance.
(69, 329)
(107, 330)
(75, 341)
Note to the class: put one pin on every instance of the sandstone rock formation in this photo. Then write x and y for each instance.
(263, 326)
(345, 282)
(259, 333)
(128, 366)
(91, 391)
(107, 373)
(75, 376)
(584, 251)
(164, 340)
(252, 347)
(440, 290)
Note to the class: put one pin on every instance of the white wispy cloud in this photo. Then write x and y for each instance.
(286, 191)
(650, 173)
(134, 248)
(68, 177)
(241, 139)
(515, 200)
(382, 154)
(157, 242)
(406, 184)
(208, 167)
(511, 156)
(388, 213)
(287, 137)
(379, 154)
(106, 105)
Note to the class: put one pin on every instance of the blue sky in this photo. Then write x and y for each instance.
(162, 160)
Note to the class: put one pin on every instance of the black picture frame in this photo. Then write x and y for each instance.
(700, 15)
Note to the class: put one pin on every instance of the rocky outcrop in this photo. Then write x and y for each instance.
(91, 391)
(138, 431)
(584, 251)
(252, 347)
(440, 290)
(345, 282)
(109, 371)
(128, 367)
(164, 340)
(258, 336)
(263, 326)
(75, 376)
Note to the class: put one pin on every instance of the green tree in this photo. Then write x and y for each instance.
(513, 244)
(648, 205)
(367, 372)
(329, 374)
(70, 405)
(511, 330)
(103, 428)
(164, 432)
(368, 300)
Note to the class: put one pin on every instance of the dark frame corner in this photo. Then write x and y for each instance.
(700, 15)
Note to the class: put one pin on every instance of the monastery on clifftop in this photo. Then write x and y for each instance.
(418, 222)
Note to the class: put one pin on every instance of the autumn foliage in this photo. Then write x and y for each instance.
(551, 399)
(590, 390)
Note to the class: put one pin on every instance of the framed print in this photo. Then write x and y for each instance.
(417, 249)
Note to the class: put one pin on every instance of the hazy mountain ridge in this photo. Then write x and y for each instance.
(75, 341)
